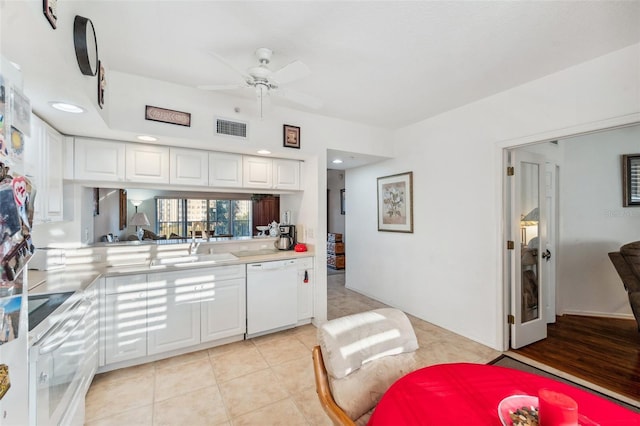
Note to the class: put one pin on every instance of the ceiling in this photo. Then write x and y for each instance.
(381, 63)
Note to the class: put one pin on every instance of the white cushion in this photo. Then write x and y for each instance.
(364, 354)
(349, 342)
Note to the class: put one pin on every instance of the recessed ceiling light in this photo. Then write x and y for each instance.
(264, 152)
(67, 107)
(147, 138)
(337, 161)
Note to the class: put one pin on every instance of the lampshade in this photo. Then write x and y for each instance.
(531, 219)
(140, 219)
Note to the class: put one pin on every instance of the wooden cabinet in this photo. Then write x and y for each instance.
(147, 163)
(257, 172)
(265, 209)
(305, 290)
(99, 160)
(124, 321)
(286, 174)
(188, 167)
(44, 162)
(225, 170)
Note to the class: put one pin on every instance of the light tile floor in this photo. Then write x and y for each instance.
(263, 381)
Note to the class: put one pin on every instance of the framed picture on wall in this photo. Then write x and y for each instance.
(342, 201)
(395, 203)
(631, 180)
(291, 136)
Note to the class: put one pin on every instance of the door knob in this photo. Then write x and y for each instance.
(546, 255)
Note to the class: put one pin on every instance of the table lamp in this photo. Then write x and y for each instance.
(139, 219)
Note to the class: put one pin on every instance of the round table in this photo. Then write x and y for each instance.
(469, 394)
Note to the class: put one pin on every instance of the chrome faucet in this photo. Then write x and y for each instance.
(193, 247)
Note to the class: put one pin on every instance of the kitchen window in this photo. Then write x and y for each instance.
(180, 217)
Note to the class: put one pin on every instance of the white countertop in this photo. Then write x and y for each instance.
(79, 277)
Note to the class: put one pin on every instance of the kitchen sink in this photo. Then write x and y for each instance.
(261, 252)
(193, 260)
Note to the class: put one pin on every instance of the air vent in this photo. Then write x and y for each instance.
(236, 129)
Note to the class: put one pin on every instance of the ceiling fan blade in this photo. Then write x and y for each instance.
(244, 74)
(293, 71)
(300, 98)
(223, 86)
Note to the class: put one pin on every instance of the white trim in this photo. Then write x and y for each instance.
(500, 158)
(599, 314)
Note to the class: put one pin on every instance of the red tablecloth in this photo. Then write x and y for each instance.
(469, 394)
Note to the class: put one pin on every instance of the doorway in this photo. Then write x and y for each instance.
(591, 222)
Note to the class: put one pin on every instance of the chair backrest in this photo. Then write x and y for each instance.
(333, 410)
(362, 355)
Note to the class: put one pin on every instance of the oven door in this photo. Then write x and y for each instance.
(56, 365)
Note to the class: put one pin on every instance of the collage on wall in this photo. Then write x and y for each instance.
(15, 123)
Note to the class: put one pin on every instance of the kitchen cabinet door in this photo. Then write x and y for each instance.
(223, 310)
(147, 163)
(125, 326)
(43, 160)
(189, 167)
(173, 320)
(99, 160)
(173, 315)
(305, 294)
(225, 170)
(257, 172)
(286, 174)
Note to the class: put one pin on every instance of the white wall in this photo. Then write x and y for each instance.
(335, 182)
(594, 223)
(449, 271)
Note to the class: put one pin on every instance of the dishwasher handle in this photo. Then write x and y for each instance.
(270, 266)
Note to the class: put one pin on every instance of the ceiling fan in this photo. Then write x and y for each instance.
(265, 81)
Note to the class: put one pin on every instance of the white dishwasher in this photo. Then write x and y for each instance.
(272, 297)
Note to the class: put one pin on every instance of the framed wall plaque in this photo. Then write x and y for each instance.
(169, 116)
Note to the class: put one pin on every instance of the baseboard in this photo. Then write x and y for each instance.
(571, 378)
(599, 314)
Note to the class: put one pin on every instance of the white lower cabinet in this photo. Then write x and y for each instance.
(125, 318)
(223, 311)
(125, 326)
(151, 314)
(173, 310)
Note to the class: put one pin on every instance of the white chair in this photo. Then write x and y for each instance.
(358, 357)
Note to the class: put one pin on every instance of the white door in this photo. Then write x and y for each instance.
(286, 174)
(147, 163)
(225, 170)
(223, 310)
(550, 258)
(529, 234)
(257, 172)
(189, 167)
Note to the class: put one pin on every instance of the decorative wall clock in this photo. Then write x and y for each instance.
(86, 45)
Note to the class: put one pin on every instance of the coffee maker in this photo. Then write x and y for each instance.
(287, 237)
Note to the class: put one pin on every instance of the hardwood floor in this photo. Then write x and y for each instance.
(603, 351)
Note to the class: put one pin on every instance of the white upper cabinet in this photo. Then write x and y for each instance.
(225, 170)
(43, 161)
(189, 167)
(147, 163)
(286, 174)
(257, 172)
(99, 160)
